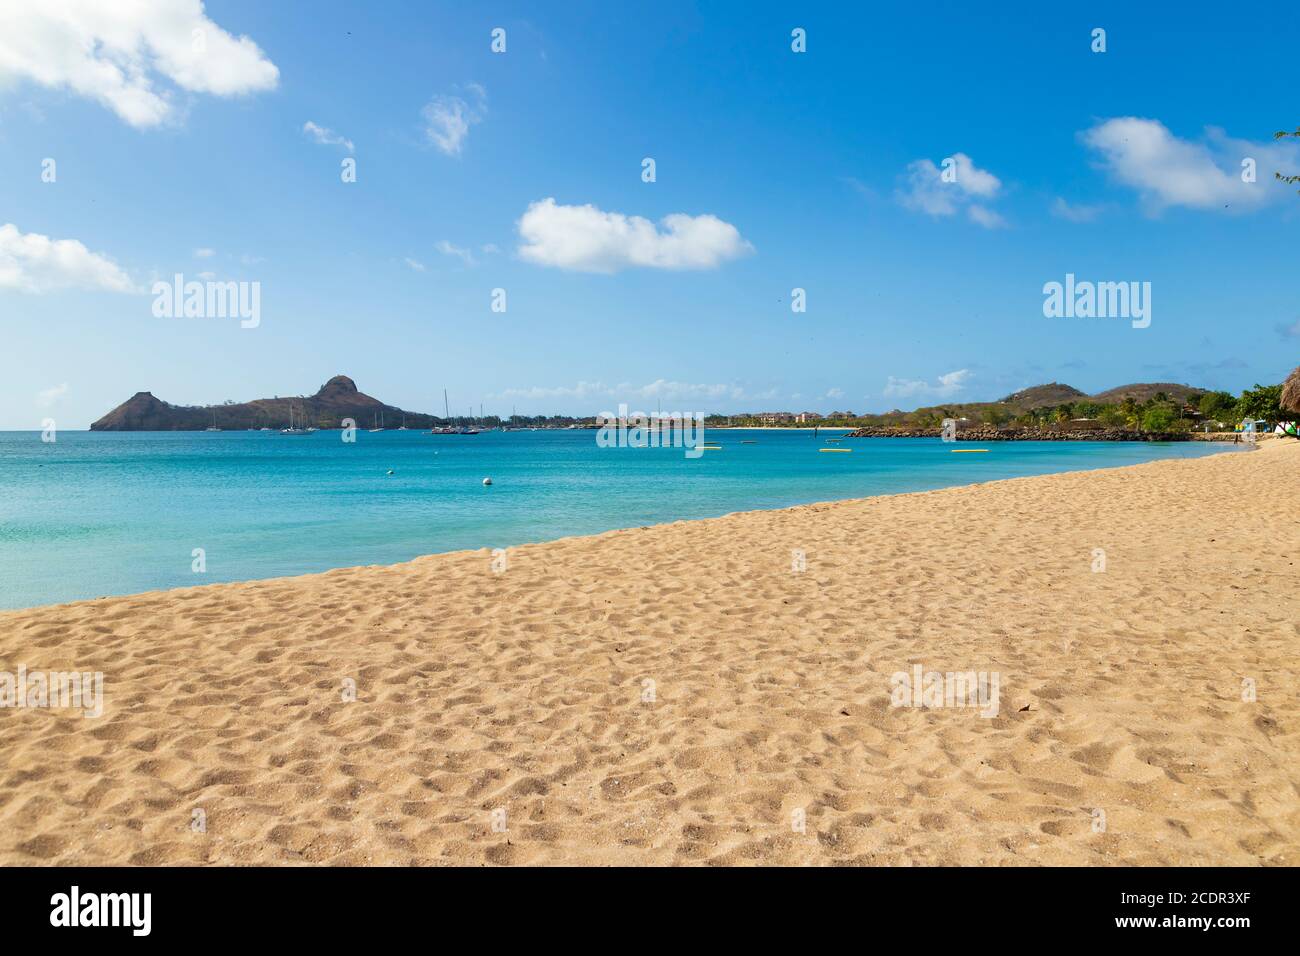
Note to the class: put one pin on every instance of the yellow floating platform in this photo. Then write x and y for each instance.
(843, 451)
(968, 451)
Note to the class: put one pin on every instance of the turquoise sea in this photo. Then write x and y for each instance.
(95, 514)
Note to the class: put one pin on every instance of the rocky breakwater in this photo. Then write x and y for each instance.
(987, 433)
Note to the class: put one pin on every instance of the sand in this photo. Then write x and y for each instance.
(1122, 735)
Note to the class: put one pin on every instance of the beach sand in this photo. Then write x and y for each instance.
(523, 691)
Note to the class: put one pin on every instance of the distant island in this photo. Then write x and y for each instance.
(336, 400)
(1140, 410)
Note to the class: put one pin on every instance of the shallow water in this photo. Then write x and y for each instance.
(114, 513)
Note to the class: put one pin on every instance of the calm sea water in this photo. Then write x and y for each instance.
(102, 513)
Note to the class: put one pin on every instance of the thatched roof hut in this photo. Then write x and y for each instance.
(1291, 391)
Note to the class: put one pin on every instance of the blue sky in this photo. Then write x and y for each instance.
(774, 170)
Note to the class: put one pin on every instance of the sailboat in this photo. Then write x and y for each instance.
(380, 426)
(446, 416)
(450, 429)
(403, 428)
(512, 427)
(291, 430)
(467, 429)
(213, 427)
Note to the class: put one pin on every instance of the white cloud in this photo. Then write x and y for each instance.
(447, 249)
(581, 390)
(30, 262)
(125, 54)
(1074, 212)
(835, 393)
(587, 239)
(662, 388)
(326, 136)
(204, 253)
(925, 190)
(947, 385)
(1169, 171)
(447, 118)
(985, 217)
(489, 248)
(417, 266)
(207, 276)
(48, 396)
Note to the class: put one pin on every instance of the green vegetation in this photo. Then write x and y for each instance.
(1161, 418)
(1262, 401)
(1295, 178)
(1217, 406)
(1156, 411)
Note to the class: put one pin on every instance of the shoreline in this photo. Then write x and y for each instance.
(677, 694)
(242, 582)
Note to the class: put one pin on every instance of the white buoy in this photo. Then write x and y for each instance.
(390, 471)
(487, 481)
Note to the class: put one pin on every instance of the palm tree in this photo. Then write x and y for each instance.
(1132, 414)
(1289, 180)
